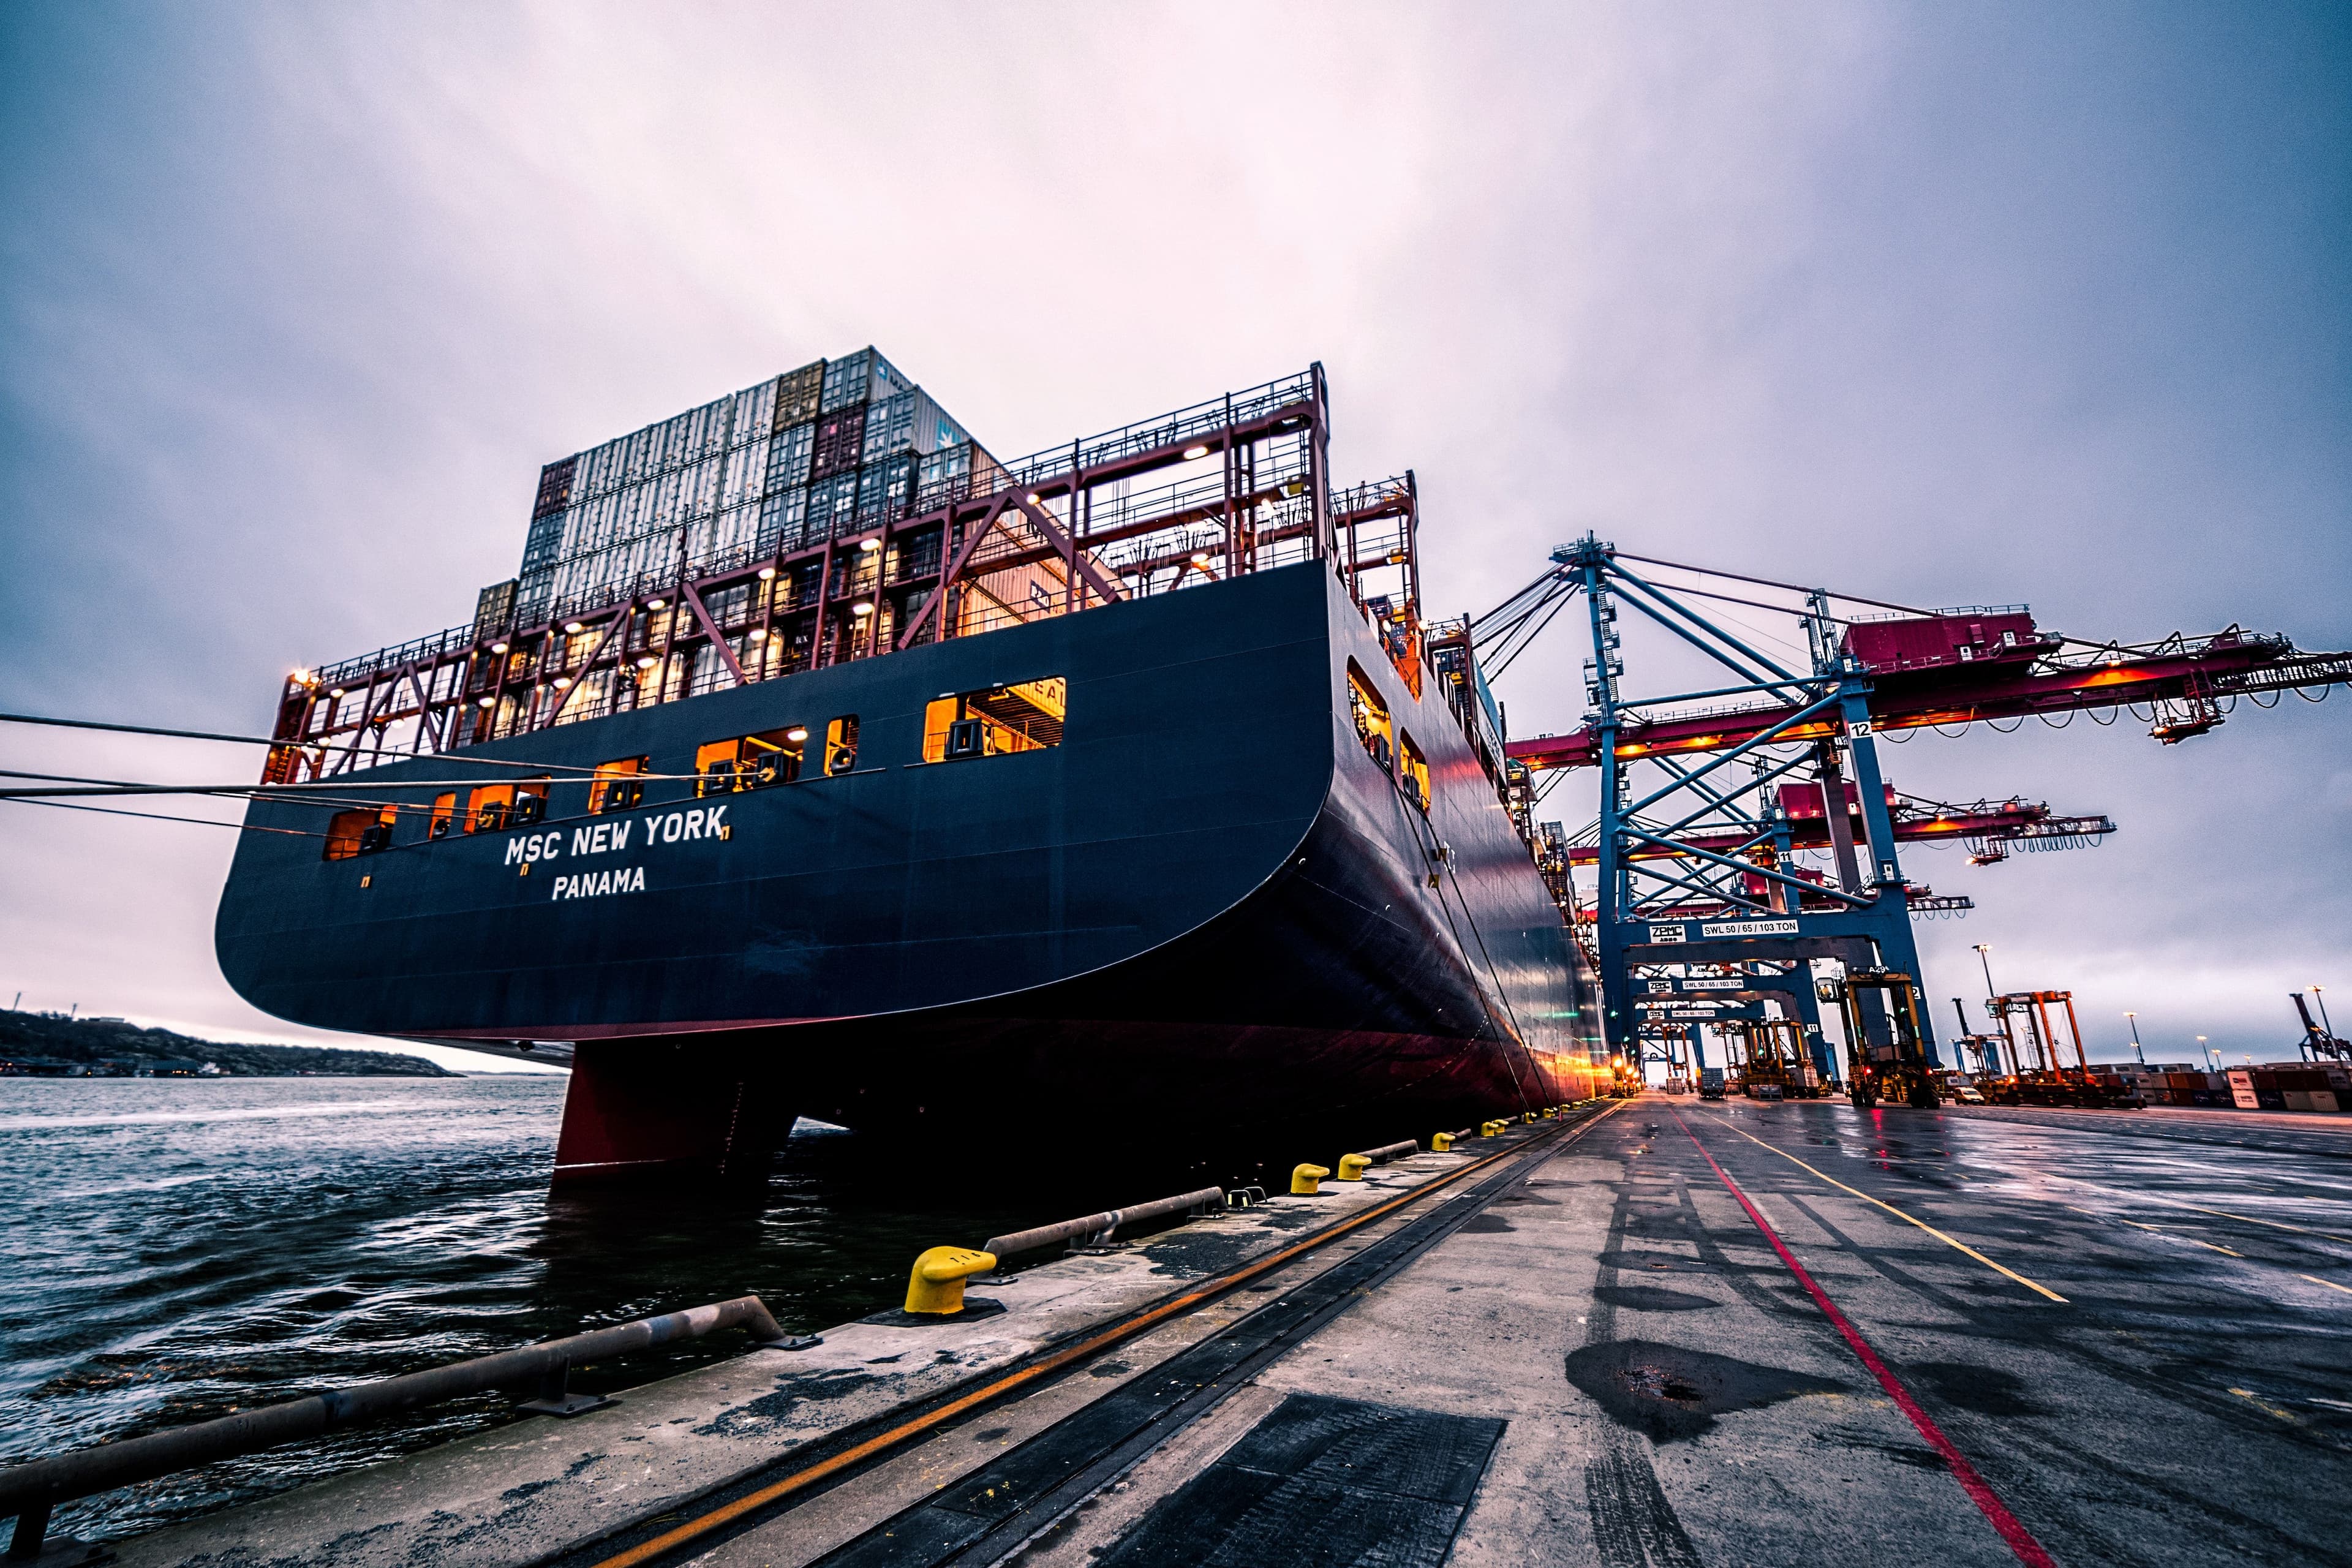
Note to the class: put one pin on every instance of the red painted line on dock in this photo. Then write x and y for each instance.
(2020, 1540)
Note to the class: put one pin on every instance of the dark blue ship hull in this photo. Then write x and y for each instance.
(1208, 914)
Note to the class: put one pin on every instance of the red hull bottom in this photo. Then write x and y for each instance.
(1178, 1096)
(640, 1110)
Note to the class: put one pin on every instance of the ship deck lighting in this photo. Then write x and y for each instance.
(861, 608)
(647, 662)
(655, 604)
(869, 545)
(796, 734)
(1190, 452)
(767, 574)
(574, 628)
(497, 647)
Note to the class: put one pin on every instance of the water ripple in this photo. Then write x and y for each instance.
(180, 1248)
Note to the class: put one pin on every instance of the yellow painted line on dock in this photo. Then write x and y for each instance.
(2286, 1415)
(1951, 1241)
(2331, 1284)
(2199, 1208)
(2136, 1225)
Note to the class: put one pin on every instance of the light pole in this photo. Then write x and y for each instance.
(2315, 996)
(2208, 1053)
(1983, 948)
(2135, 1050)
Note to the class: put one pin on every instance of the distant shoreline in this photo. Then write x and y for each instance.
(54, 1046)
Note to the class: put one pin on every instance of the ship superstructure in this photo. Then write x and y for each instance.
(1165, 794)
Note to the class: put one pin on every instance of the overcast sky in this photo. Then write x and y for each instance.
(1941, 304)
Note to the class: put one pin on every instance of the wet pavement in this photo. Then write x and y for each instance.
(2051, 1341)
(1674, 1334)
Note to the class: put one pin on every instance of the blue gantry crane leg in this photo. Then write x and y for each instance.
(1703, 905)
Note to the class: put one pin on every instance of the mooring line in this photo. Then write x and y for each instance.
(2011, 1529)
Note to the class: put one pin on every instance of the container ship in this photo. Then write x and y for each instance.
(816, 762)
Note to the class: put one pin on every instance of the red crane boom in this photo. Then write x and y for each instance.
(1964, 667)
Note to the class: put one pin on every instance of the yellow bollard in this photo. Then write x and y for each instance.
(1353, 1167)
(1303, 1180)
(1441, 1143)
(936, 1284)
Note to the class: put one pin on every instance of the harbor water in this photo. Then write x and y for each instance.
(179, 1249)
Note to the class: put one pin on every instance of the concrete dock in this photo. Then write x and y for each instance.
(1661, 1332)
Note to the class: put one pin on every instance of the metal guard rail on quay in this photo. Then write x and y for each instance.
(30, 1491)
(1098, 1227)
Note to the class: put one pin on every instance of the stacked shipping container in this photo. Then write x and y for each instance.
(831, 448)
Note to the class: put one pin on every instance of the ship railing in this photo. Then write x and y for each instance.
(30, 1492)
(1174, 506)
(1263, 505)
(414, 651)
(1165, 430)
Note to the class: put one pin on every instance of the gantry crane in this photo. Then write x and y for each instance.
(1706, 796)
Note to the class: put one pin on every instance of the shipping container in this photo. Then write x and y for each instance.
(953, 473)
(784, 521)
(800, 394)
(831, 503)
(554, 487)
(862, 377)
(885, 490)
(789, 457)
(757, 469)
(494, 608)
(840, 442)
(544, 545)
(745, 476)
(729, 534)
(846, 380)
(909, 421)
(534, 599)
(755, 413)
